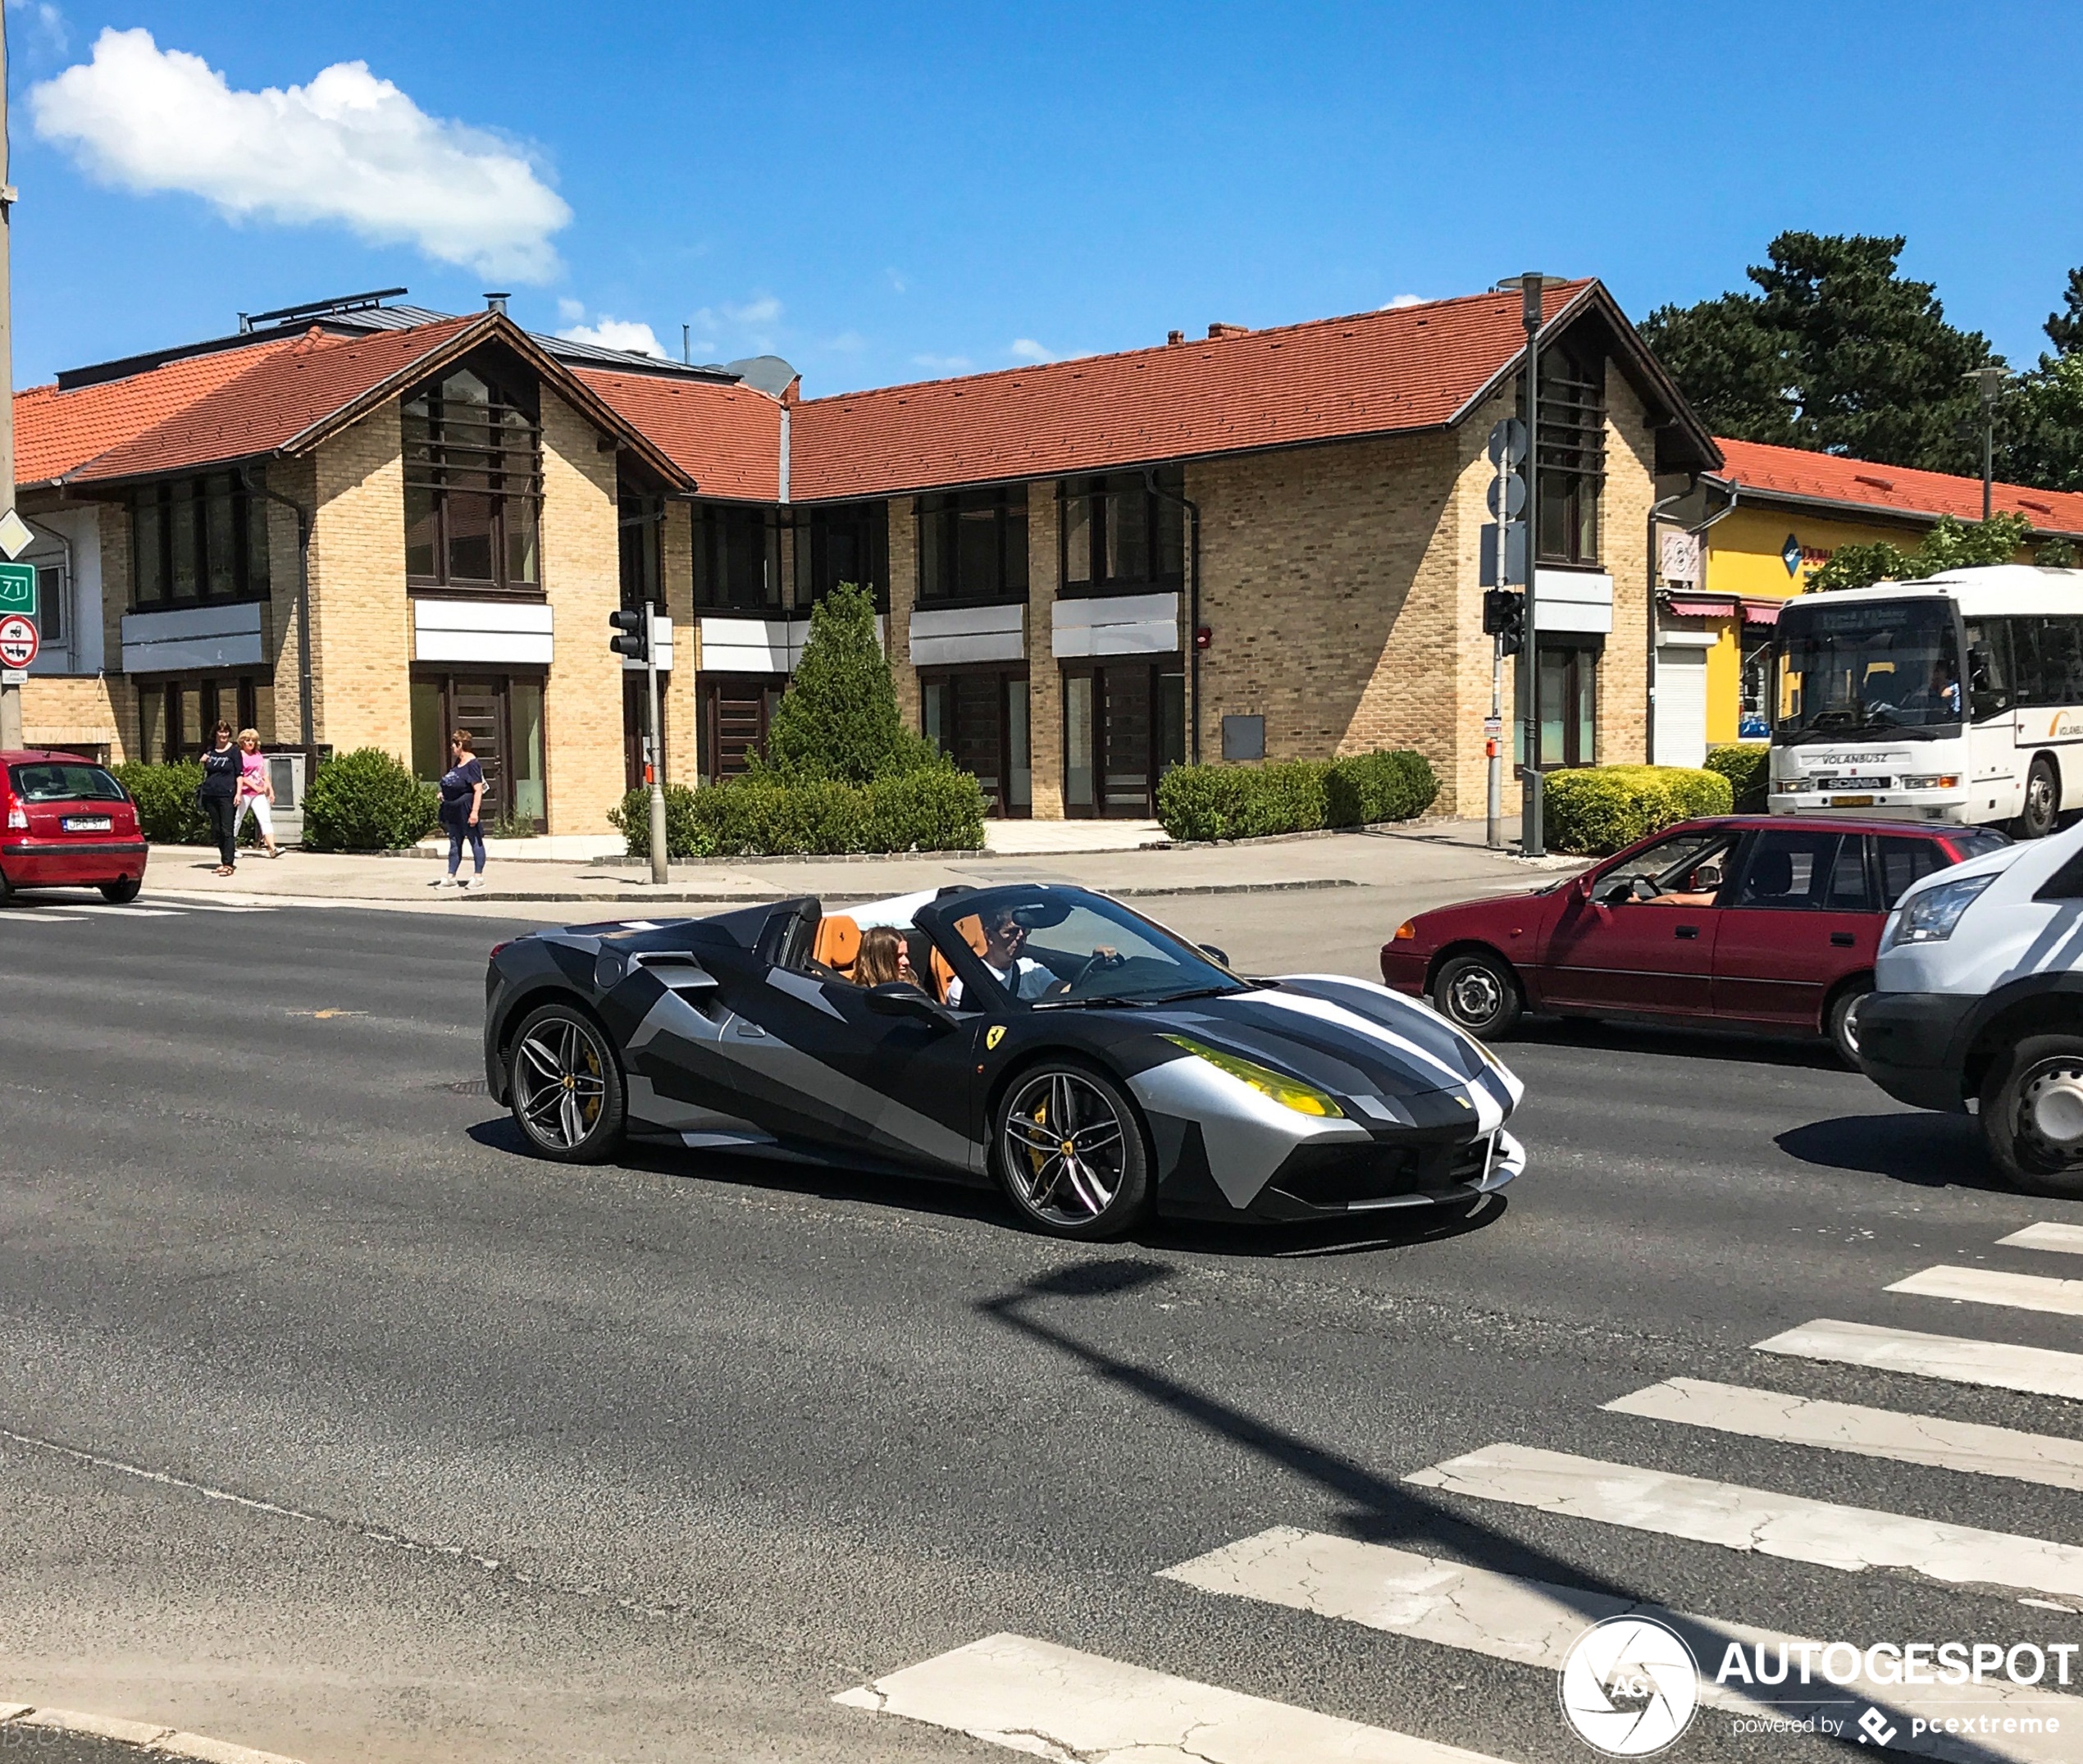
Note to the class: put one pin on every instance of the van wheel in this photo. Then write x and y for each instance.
(1479, 993)
(2032, 1115)
(2042, 801)
(1841, 1022)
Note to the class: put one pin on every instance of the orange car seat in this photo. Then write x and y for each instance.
(971, 929)
(838, 943)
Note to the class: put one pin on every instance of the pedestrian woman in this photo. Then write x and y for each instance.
(220, 794)
(463, 799)
(883, 958)
(256, 793)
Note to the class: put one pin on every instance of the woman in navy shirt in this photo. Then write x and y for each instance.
(463, 796)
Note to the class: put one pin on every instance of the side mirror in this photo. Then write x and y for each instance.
(1220, 956)
(895, 998)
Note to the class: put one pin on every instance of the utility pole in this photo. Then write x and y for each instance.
(10, 696)
(1989, 381)
(1532, 841)
(654, 747)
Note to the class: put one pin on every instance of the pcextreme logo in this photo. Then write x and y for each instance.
(1630, 1687)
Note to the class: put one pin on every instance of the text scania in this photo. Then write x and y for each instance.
(1897, 1663)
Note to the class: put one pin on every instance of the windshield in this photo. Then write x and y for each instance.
(1866, 668)
(1062, 947)
(58, 782)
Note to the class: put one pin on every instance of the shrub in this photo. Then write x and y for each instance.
(838, 719)
(1749, 775)
(765, 815)
(1597, 810)
(366, 801)
(168, 810)
(1294, 796)
(935, 809)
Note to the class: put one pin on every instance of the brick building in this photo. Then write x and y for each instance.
(460, 505)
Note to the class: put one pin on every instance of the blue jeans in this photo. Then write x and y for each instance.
(459, 831)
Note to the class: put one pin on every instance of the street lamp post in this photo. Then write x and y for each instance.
(1989, 381)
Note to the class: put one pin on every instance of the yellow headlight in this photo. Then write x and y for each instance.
(1290, 1093)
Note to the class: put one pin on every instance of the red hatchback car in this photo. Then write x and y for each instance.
(1745, 920)
(68, 824)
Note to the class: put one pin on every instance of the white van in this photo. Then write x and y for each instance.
(1977, 1005)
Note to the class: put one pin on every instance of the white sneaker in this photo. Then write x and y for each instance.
(445, 882)
(470, 881)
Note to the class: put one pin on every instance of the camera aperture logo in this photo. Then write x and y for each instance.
(1630, 1687)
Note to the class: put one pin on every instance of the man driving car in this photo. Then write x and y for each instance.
(1004, 938)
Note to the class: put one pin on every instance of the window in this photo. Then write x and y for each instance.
(1569, 689)
(49, 783)
(1803, 871)
(1687, 869)
(2047, 658)
(972, 546)
(177, 717)
(1124, 726)
(737, 559)
(502, 713)
(847, 543)
(1904, 861)
(473, 484)
(1988, 667)
(641, 520)
(197, 539)
(1119, 535)
(978, 717)
(52, 591)
(1572, 457)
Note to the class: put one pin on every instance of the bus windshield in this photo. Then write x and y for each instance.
(1875, 667)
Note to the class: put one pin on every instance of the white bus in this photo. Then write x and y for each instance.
(1958, 699)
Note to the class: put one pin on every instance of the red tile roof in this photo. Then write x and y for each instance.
(55, 430)
(726, 438)
(1409, 367)
(283, 393)
(1861, 484)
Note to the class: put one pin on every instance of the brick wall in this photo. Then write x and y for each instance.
(360, 620)
(1623, 547)
(279, 698)
(582, 573)
(903, 596)
(677, 690)
(1044, 677)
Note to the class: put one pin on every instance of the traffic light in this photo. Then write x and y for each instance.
(1504, 616)
(631, 639)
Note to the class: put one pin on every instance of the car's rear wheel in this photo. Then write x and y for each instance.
(2032, 1115)
(6, 889)
(568, 1098)
(1071, 1153)
(121, 893)
(2042, 801)
(1841, 1022)
(1479, 993)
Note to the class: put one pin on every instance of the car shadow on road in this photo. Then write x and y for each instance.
(1923, 1149)
(1669, 1039)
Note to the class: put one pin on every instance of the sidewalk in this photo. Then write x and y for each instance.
(1436, 855)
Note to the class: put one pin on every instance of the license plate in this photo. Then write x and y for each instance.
(1851, 802)
(87, 823)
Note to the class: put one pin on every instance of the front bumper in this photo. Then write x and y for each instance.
(1923, 808)
(1403, 969)
(1910, 1044)
(1334, 1186)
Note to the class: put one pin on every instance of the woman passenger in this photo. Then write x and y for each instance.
(884, 957)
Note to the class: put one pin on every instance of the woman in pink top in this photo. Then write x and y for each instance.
(256, 791)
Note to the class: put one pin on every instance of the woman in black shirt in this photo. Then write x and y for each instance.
(219, 797)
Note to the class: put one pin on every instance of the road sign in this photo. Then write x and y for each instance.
(15, 535)
(1507, 441)
(1514, 498)
(1492, 726)
(14, 677)
(18, 642)
(18, 588)
(1514, 554)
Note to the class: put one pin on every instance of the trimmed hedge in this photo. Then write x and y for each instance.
(1746, 768)
(366, 801)
(168, 810)
(1595, 810)
(1294, 796)
(765, 815)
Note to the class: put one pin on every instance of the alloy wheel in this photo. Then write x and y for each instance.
(560, 1082)
(1065, 1149)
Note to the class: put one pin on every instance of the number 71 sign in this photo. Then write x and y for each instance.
(18, 588)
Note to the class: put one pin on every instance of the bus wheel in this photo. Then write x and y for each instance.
(2042, 801)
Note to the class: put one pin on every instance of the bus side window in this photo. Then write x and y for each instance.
(1988, 667)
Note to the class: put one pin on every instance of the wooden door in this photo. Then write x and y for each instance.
(479, 706)
(1127, 744)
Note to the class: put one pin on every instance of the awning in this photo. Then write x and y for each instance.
(1761, 612)
(1701, 605)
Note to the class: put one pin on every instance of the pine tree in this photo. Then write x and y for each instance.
(839, 719)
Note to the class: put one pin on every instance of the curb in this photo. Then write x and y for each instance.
(154, 1742)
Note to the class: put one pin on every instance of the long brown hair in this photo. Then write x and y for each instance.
(877, 964)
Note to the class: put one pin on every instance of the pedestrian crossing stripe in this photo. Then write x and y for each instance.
(1790, 1526)
(1959, 1360)
(76, 912)
(1931, 1439)
(1049, 1702)
(1992, 1285)
(2068, 1239)
(1535, 1623)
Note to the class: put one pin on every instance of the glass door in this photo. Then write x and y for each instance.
(979, 719)
(1124, 725)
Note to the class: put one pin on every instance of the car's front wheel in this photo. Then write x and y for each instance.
(1479, 993)
(2032, 1115)
(1842, 1023)
(1070, 1152)
(568, 1098)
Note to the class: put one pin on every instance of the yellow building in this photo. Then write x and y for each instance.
(1758, 528)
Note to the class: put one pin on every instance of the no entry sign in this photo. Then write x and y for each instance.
(18, 641)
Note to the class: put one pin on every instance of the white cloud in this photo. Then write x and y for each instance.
(943, 364)
(571, 311)
(1401, 301)
(348, 147)
(1028, 350)
(848, 342)
(48, 21)
(615, 334)
(763, 311)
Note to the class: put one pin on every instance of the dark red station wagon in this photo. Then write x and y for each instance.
(66, 823)
(1752, 921)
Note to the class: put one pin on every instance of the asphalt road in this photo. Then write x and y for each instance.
(334, 1425)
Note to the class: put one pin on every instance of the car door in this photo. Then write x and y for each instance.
(1801, 917)
(1610, 950)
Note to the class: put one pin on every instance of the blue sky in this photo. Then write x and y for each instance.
(884, 194)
